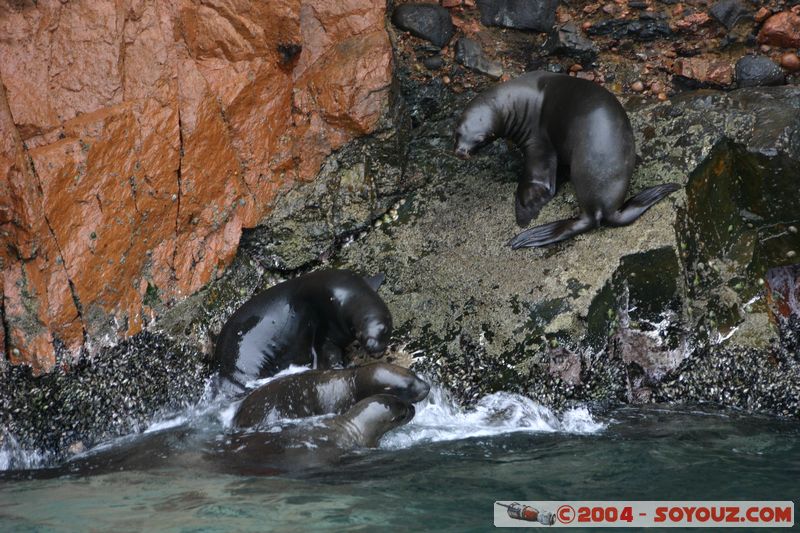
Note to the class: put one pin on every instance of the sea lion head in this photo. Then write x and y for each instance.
(368, 420)
(366, 315)
(385, 378)
(374, 331)
(475, 128)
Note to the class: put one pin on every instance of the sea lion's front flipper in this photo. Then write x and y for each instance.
(529, 200)
(551, 233)
(636, 206)
(537, 184)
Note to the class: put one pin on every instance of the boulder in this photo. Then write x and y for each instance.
(431, 22)
(729, 12)
(568, 40)
(781, 29)
(519, 14)
(470, 54)
(758, 71)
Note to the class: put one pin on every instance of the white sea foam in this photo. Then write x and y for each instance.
(14, 457)
(439, 418)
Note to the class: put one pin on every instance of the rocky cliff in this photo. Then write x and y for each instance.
(138, 138)
(112, 213)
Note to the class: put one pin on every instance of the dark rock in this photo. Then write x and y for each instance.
(433, 62)
(118, 390)
(728, 12)
(431, 22)
(758, 71)
(639, 30)
(470, 54)
(568, 40)
(635, 4)
(519, 14)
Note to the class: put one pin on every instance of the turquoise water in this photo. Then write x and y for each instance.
(441, 472)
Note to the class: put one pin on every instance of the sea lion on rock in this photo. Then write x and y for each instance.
(319, 392)
(305, 446)
(557, 120)
(307, 320)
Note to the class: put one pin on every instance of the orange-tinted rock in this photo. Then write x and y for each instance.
(762, 14)
(692, 21)
(790, 61)
(781, 29)
(705, 70)
(138, 138)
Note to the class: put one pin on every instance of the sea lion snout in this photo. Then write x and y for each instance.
(409, 414)
(391, 409)
(374, 346)
(419, 390)
(462, 152)
(386, 378)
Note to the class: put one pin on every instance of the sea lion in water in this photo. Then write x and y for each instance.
(279, 449)
(302, 447)
(557, 120)
(319, 392)
(307, 320)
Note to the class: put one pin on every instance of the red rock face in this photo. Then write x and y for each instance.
(137, 138)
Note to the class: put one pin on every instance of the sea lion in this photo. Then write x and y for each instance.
(319, 392)
(307, 320)
(557, 120)
(303, 446)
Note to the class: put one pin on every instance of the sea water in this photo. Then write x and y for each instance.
(442, 471)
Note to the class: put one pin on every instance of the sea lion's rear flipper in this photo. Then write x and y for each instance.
(375, 281)
(551, 233)
(636, 206)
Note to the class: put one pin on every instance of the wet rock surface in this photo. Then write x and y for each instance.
(77, 406)
(758, 71)
(677, 292)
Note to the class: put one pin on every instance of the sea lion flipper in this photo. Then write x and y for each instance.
(537, 185)
(375, 281)
(636, 206)
(551, 233)
(529, 200)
